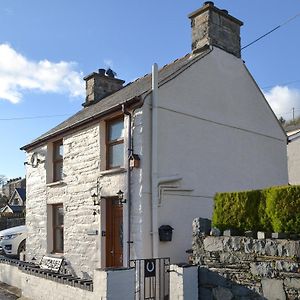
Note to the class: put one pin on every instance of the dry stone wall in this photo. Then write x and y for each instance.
(238, 267)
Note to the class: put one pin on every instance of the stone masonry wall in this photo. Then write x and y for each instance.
(246, 268)
(84, 153)
(81, 166)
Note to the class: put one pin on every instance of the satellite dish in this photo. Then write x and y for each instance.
(34, 160)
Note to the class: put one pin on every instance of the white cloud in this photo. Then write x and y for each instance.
(108, 63)
(19, 74)
(282, 99)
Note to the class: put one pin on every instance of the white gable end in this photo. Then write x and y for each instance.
(219, 88)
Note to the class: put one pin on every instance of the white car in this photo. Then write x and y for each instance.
(12, 240)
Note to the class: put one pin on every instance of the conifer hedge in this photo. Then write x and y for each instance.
(274, 209)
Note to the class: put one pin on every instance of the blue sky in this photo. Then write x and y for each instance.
(46, 47)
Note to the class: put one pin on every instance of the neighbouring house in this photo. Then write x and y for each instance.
(9, 187)
(16, 203)
(125, 176)
(293, 153)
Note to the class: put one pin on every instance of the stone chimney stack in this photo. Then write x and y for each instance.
(212, 26)
(100, 85)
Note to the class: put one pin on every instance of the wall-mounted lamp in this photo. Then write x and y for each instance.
(96, 196)
(120, 195)
(96, 200)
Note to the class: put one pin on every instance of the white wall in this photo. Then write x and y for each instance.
(110, 285)
(10, 275)
(217, 133)
(293, 152)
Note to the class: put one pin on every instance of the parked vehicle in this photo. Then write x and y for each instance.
(12, 240)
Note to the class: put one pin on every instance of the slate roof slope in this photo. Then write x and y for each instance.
(134, 89)
(22, 193)
(16, 208)
(292, 129)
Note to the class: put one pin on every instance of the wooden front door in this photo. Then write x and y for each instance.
(114, 233)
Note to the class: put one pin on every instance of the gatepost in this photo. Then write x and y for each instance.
(112, 283)
(183, 282)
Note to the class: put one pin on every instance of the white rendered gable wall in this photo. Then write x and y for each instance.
(217, 133)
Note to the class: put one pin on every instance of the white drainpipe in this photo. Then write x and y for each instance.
(154, 159)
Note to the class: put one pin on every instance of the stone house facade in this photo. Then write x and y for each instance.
(17, 202)
(154, 152)
(9, 187)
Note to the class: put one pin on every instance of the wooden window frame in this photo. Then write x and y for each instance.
(113, 142)
(56, 161)
(55, 226)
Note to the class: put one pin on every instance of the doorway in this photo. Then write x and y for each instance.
(114, 233)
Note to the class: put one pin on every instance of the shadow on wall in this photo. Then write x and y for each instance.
(214, 286)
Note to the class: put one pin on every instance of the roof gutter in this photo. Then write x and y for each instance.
(100, 115)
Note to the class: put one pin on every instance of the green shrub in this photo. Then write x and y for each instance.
(274, 209)
(283, 208)
(264, 223)
(237, 210)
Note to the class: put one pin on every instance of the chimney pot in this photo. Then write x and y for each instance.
(110, 73)
(101, 71)
(209, 3)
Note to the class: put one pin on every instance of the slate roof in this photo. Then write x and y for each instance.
(22, 193)
(134, 89)
(292, 129)
(17, 208)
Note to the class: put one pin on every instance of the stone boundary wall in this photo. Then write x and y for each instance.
(246, 268)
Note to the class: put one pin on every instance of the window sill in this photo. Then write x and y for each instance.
(113, 171)
(57, 254)
(50, 184)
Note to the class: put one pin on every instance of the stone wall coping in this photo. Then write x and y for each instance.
(185, 265)
(32, 269)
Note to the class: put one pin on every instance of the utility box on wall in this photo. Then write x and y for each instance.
(165, 233)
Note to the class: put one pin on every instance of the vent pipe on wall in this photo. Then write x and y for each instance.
(154, 160)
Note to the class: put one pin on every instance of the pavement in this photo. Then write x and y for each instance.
(8, 292)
